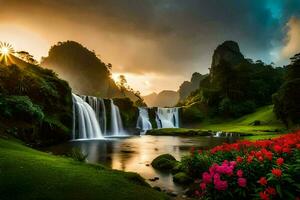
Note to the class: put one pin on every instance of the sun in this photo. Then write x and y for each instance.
(6, 49)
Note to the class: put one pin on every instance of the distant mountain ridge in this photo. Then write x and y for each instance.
(166, 98)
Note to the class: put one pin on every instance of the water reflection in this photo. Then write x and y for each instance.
(136, 153)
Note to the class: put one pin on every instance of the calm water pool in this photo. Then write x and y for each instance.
(134, 153)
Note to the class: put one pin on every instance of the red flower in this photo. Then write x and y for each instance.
(269, 155)
(277, 148)
(192, 151)
(286, 150)
(279, 161)
(249, 159)
(264, 196)
(239, 159)
(263, 181)
(271, 191)
(277, 172)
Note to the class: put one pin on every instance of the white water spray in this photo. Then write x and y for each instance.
(167, 117)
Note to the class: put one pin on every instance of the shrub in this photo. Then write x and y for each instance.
(20, 107)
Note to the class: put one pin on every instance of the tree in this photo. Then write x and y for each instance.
(286, 100)
(27, 57)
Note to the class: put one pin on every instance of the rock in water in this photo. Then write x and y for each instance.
(164, 162)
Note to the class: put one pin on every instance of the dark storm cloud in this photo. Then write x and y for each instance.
(162, 35)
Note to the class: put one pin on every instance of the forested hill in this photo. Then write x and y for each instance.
(84, 71)
(235, 86)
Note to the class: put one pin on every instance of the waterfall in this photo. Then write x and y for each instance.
(167, 117)
(143, 122)
(85, 123)
(99, 108)
(116, 121)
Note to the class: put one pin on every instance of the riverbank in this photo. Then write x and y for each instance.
(26, 173)
(260, 123)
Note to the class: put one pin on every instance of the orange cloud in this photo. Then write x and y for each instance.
(292, 45)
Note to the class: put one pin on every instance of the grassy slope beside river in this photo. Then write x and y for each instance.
(26, 173)
(244, 125)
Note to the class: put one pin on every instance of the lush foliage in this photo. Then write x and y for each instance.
(265, 169)
(20, 107)
(35, 103)
(286, 100)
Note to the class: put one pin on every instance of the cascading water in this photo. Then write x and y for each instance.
(85, 124)
(99, 108)
(116, 121)
(167, 117)
(143, 122)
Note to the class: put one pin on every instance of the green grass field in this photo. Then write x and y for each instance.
(26, 173)
(244, 125)
(265, 115)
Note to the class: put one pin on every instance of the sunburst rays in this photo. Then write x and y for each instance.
(6, 50)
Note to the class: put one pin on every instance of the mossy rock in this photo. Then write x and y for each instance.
(164, 162)
(178, 167)
(182, 178)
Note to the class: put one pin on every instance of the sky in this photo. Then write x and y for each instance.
(156, 44)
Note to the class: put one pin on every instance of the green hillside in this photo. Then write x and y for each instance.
(26, 173)
(264, 116)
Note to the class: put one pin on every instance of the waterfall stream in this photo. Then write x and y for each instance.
(85, 123)
(143, 122)
(116, 121)
(167, 117)
(90, 118)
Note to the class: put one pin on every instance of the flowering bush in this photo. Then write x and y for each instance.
(265, 169)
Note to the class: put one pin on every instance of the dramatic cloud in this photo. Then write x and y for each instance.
(166, 37)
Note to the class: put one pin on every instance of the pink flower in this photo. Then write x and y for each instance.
(216, 177)
(206, 177)
(202, 186)
(242, 182)
(232, 163)
(239, 173)
(220, 185)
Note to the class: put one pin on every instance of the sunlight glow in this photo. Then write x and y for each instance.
(6, 49)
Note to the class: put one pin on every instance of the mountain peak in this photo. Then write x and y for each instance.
(228, 51)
